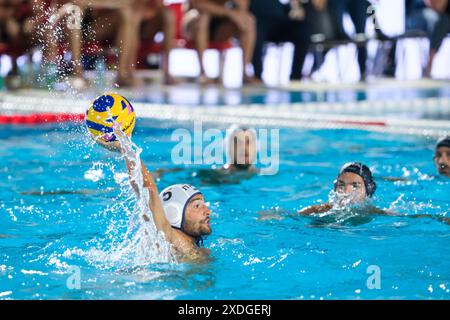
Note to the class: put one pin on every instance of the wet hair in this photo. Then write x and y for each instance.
(364, 172)
(443, 142)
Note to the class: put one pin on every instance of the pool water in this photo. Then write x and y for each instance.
(65, 211)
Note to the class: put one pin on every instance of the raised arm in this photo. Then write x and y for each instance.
(155, 204)
(159, 217)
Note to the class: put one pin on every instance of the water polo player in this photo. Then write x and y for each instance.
(442, 156)
(240, 144)
(179, 211)
(353, 185)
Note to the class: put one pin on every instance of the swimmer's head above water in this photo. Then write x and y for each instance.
(355, 183)
(442, 156)
(241, 146)
(186, 210)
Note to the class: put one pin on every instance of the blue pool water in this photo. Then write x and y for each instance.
(64, 208)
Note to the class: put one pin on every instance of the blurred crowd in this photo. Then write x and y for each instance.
(73, 34)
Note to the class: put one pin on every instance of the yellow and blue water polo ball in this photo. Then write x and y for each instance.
(104, 111)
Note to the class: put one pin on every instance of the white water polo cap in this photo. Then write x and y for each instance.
(175, 200)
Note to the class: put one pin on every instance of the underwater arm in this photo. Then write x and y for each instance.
(271, 214)
(381, 212)
(412, 216)
(438, 218)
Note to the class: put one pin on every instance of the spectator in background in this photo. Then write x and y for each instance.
(440, 31)
(357, 9)
(277, 22)
(420, 20)
(318, 17)
(419, 17)
(321, 26)
(56, 28)
(218, 21)
(156, 18)
(117, 22)
(16, 28)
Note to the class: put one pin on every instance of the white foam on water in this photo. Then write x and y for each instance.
(4, 268)
(34, 272)
(141, 244)
(5, 293)
(95, 173)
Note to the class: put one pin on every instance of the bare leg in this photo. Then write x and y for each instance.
(163, 21)
(128, 40)
(200, 35)
(168, 26)
(75, 46)
(427, 73)
(247, 41)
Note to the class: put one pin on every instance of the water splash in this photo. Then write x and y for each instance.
(56, 64)
(413, 207)
(141, 244)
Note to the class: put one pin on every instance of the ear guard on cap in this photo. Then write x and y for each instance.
(175, 200)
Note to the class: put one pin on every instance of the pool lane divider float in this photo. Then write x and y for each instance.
(380, 116)
(40, 118)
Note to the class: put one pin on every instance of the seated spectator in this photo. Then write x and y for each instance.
(277, 22)
(440, 31)
(321, 26)
(218, 21)
(156, 18)
(117, 23)
(15, 31)
(420, 20)
(318, 17)
(419, 17)
(357, 9)
(59, 25)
